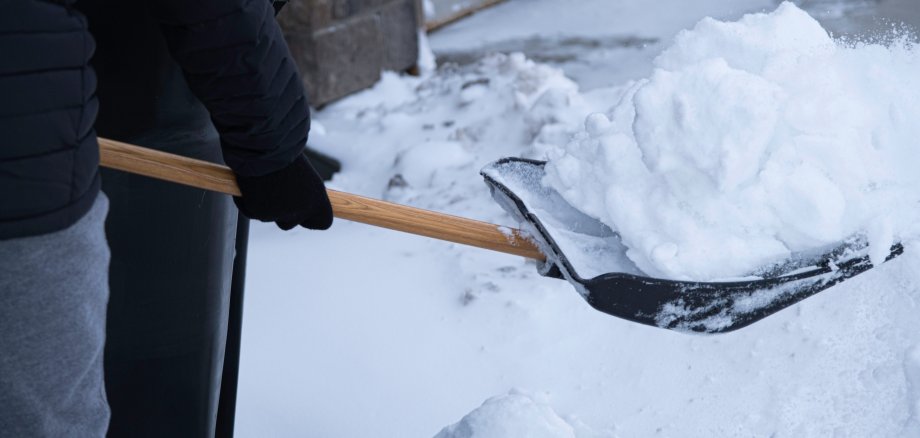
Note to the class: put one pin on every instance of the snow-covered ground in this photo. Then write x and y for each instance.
(599, 43)
(364, 332)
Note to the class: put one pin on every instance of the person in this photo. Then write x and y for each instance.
(211, 79)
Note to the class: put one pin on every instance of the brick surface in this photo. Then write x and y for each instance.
(342, 9)
(304, 15)
(349, 58)
(341, 46)
(401, 47)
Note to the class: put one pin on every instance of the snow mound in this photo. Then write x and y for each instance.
(514, 415)
(423, 140)
(751, 141)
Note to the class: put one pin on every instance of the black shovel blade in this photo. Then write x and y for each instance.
(701, 307)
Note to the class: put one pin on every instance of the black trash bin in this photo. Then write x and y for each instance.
(172, 246)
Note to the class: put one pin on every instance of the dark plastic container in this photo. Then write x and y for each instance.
(173, 247)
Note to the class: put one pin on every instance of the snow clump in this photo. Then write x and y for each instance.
(516, 414)
(751, 141)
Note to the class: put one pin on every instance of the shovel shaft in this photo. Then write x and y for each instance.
(218, 178)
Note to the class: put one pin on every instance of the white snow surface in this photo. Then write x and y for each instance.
(513, 414)
(751, 141)
(359, 331)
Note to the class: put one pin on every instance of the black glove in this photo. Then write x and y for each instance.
(294, 195)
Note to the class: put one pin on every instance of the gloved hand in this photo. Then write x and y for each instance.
(294, 195)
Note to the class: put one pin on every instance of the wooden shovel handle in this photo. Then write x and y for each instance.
(210, 176)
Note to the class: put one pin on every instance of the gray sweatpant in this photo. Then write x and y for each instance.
(53, 295)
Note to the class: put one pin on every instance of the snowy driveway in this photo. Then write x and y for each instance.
(363, 332)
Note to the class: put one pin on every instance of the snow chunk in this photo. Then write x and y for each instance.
(752, 141)
(514, 414)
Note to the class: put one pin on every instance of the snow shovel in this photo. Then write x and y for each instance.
(700, 307)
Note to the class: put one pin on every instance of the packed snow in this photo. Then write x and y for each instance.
(511, 415)
(360, 331)
(751, 141)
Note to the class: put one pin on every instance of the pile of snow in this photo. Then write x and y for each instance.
(514, 415)
(751, 141)
(422, 141)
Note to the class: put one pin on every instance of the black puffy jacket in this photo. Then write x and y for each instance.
(48, 151)
(233, 57)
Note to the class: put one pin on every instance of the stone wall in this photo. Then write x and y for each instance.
(341, 46)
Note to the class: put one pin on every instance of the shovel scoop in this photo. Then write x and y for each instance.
(589, 255)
